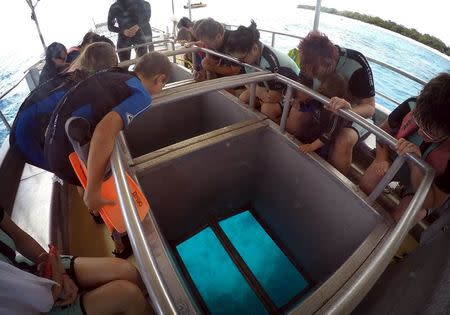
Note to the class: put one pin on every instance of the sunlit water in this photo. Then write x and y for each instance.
(372, 41)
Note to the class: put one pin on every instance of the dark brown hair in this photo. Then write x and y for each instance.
(317, 50)
(433, 104)
(208, 29)
(242, 39)
(152, 64)
(333, 85)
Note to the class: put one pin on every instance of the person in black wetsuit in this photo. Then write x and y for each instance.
(55, 62)
(133, 25)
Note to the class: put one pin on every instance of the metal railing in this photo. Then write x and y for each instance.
(365, 277)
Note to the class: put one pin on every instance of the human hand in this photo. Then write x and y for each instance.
(94, 201)
(403, 146)
(337, 103)
(56, 276)
(69, 289)
(199, 75)
(133, 30)
(307, 147)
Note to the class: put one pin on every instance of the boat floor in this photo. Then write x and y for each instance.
(87, 238)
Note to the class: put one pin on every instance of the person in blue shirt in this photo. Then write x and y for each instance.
(109, 101)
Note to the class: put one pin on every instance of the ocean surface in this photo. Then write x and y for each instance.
(372, 41)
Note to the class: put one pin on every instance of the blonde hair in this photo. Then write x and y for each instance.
(152, 64)
(95, 57)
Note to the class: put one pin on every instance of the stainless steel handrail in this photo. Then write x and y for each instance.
(193, 49)
(358, 285)
(161, 41)
(162, 302)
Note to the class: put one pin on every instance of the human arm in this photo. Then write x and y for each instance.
(268, 96)
(212, 65)
(439, 191)
(112, 20)
(311, 147)
(101, 147)
(26, 245)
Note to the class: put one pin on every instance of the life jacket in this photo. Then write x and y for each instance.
(91, 99)
(437, 154)
(294, 54)
(28, 130)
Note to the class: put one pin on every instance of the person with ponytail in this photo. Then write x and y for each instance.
(212, 35)
(244, 44)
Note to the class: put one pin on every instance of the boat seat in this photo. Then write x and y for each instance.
(34, 201)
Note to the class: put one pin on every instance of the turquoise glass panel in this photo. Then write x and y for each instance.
(219, 282)
(274, 271)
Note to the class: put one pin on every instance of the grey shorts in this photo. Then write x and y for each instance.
(362, 132)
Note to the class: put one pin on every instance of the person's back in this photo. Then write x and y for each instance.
(30, 124)
(118, 91)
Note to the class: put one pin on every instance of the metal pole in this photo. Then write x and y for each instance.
(273, 39)
(317, 15)
(190, 13)
(3, 118)
(252, 95)
(286, 108)
(34, 18)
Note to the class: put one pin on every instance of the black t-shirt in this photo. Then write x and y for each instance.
(395, 120)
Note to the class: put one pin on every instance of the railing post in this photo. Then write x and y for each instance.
(286, 108)
(273, 40)
(5, 122)
(252, 95)
(194, 61)
(208, 73)
(317, 15)
(173, 49)
(387, 178)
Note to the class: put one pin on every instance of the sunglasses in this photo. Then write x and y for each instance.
(430, 135)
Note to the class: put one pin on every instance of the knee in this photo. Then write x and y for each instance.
(346, 139)
(126, 271)
(128, 290)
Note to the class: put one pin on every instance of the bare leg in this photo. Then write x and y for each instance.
(342, 151)
(245, 96)
(271, 110)
(116, 297)
(398, 212)
(297, 121)
(92, 272)
(370, 179)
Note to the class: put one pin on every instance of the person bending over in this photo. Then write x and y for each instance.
(213, 36)
(244, 44)
(55, 62)
(422, 126)
(108, 101)
(318, 58)
(89, 38)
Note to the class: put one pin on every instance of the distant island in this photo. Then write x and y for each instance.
(425, 39)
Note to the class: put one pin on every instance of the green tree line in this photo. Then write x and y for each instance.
(426, 39)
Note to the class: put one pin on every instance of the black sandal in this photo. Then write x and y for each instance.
(97, 218)
(127, 251)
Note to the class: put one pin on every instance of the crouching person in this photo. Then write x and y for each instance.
(108, 101)
(422, 126)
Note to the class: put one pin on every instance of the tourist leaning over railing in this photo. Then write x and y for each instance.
(422, 126)
(244, 44)
(320, 57)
